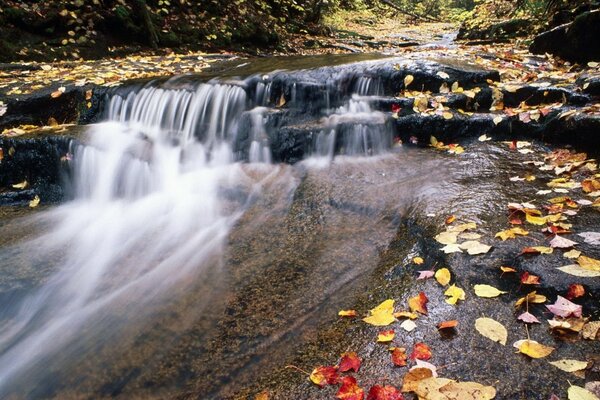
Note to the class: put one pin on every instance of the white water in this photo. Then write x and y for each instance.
(146, 220)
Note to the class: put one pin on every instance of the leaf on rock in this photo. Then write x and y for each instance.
(564, 308)
(455, 293)
(576, 270)
(322, 376)
(451, 248)
(387, 392)
(532, 348)
(447, 237)
(418, 260)
(568, 365)
(386, 336)
(399, 356)
(487, 291)
(21, 185)
(589, 263)
(537, 250)
(474, 247)
(511, 233)
(446, 389)
(414, 377)
(408, 80)
(418, 303)
(592, 238)
(350, 389)
(425, 274)
(562, 243)
(347, 313)
(448, 324)
(579, 393)
(443, 276)
(528, 279)
(492, 330)
(532, 297)
(381, 315)
(528, 318)
(507, 269)
(349, 361)
(591, 330)
(421, 352)
(573, 254)
(408, 325)
(575, 290)
(35, 202)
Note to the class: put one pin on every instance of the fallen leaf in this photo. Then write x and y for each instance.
(408, 325)
(386, 336)
(528, 318)
(474, 247)
(384, 393)
(511, 233)
(487, 291)
(421, 351)
(579, 393)
(532, 348)
(21, 185)
(443, 276)
(591, 330)
(35, 202)
(408, 80)
(418, 303)
(264, 395)
(568, 365)
(575, 290)
(576, 270)
(418, 260)
(446, 389)
(347, 313)
(572, 254)
(451, 248)
(425, 274)
(442, 75)
(562, 243)
(448, 324)
(399, 356)
(567, 325)
(413, 377)
(492, 330)
(564, 308)
(484, 137)
(455, 293)
(323, 376)
(425, 364)
(591, 237)
(350, 389)
(528, 279)
(450, 219)
(532, 297)
(446, 237)
(507, 269)
(349, 361)
(381, 315)
(537, 250)
(589, 263)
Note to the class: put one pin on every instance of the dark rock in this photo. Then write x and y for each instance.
(501, 30)
(575, 41)
(589, 85)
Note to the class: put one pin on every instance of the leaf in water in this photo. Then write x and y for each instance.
(381, 315)
(528, 318)
(474, 247)
(492, 330)
(487, 291)
(384, 393)
(564, 308)
(323, 376)
(533, 349)
(386, 336)
(35, 202)
(568, 365)
(349, 361)
(350, 389)
(562, 243)
(418, 303)
(455, 293)
(579, 393)
(443, 276)
(421, 351)
(21, 185)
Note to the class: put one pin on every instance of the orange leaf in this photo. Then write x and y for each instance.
(323, 376)
(350, 361)
(384, 393)
(450, 219)
(448, 324)
(386, 336)
(575, 290)
(414, 377)
(418, 303)
(350, 389)
(508, 269)
(399, 356)
(264, 395)
(347, 313)
(421, 351)
(528, 279)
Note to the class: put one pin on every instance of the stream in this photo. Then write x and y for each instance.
(194, 253)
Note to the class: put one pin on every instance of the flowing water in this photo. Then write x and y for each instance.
(188, 251)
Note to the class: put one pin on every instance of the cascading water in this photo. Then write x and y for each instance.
(149, 218)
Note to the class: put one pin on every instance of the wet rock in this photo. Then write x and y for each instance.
(575, 41)
(589, 85)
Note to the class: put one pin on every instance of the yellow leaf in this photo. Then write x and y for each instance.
(533, 349)
(447, 115)
(570, 365)
(572, 254)
(532, 297)
(408, 80)
(347, 313)
(511, 233)
(446, 237)
(579, 393)
(576, 270)
(487, 291)
(589, 263)
(455, 293)
(474, 247)
(386, 336)
(462, 227)
(418, 260)
(446, 389)
(381, 315)
(492, 330)
(34, 203)
(21, 185)
(443, 276)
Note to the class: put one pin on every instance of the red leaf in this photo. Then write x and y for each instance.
(418, 303)
(448, 324)
(323, 376)
(395, 108)
(421, 351)
(575, 290)
(384, 393)
(350, 390)
(350, 361)
(399, 356)
(528, 279)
